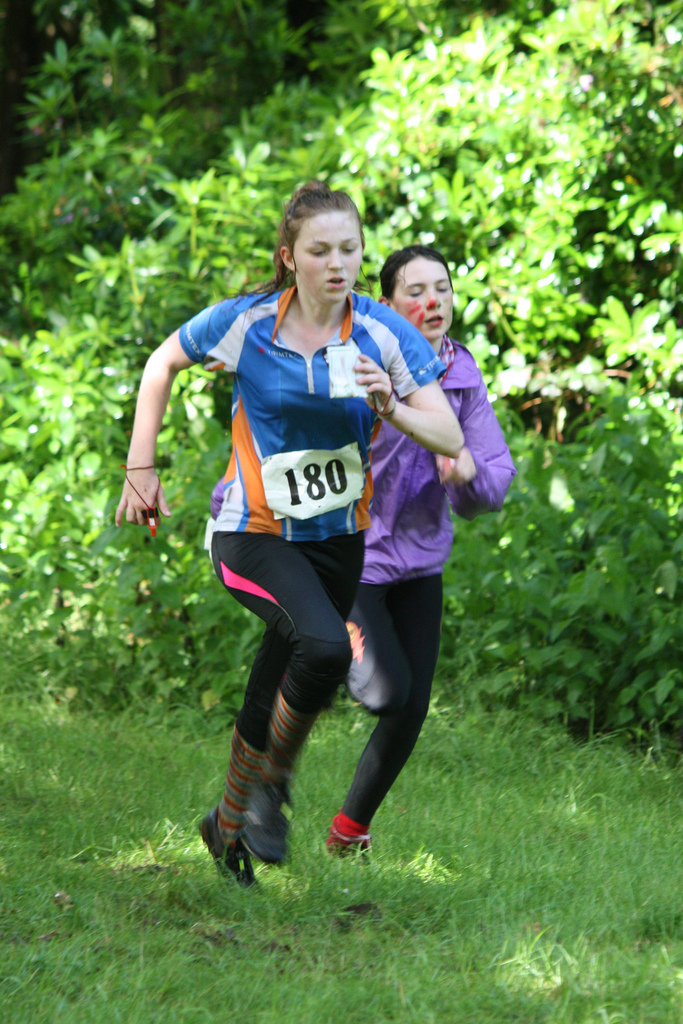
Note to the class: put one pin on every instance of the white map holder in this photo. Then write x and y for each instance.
(341, 360)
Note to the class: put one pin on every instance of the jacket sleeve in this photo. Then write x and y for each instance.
(217, 498)
(484, 438)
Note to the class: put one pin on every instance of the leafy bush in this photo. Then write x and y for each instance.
(568, 601)
(539, 148)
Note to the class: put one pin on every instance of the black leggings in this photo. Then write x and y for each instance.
(395, 647)
(303, 591)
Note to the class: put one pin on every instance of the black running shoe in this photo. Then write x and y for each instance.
(265, 833)
(230, 860)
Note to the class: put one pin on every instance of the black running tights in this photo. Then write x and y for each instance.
(303, 591)
(395, 647)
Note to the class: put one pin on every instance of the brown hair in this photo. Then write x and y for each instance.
(389, 273)
(309, 200)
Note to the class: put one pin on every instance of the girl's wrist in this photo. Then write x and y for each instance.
(389, 408)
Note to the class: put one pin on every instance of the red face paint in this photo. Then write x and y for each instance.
(416, 314)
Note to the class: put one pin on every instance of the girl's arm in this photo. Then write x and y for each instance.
(424, 415)
(489, 457)
(160, 372)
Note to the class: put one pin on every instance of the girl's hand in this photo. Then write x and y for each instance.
(378, 384)
(141, 490)
(459, 470)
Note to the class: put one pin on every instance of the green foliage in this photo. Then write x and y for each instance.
(114, 63)
(543, 172)
(574, 608)
(538, 147)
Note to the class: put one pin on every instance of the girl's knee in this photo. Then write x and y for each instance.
(328, 659)
(379, 694)
(319, 666)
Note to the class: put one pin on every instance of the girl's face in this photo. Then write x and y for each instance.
(423, 295)
(326, 256)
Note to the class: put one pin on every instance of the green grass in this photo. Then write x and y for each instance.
(515, 877)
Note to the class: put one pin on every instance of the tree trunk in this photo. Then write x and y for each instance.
(23, 50)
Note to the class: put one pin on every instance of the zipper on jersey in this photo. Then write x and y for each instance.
(277, 340)
(309, 374)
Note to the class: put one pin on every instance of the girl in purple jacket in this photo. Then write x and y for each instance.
(395, 623)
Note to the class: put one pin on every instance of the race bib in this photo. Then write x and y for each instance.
(308, 483)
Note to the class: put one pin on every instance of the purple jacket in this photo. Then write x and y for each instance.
(412, 533)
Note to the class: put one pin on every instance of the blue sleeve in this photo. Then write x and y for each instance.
(421, 359)
(400, 348)
(202, 335)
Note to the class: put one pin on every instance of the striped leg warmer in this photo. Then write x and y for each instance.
(287, 734)
(244, 771)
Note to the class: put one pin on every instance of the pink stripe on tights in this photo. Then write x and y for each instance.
(231, 579)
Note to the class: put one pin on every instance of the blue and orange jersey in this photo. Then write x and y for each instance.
(300, 464)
